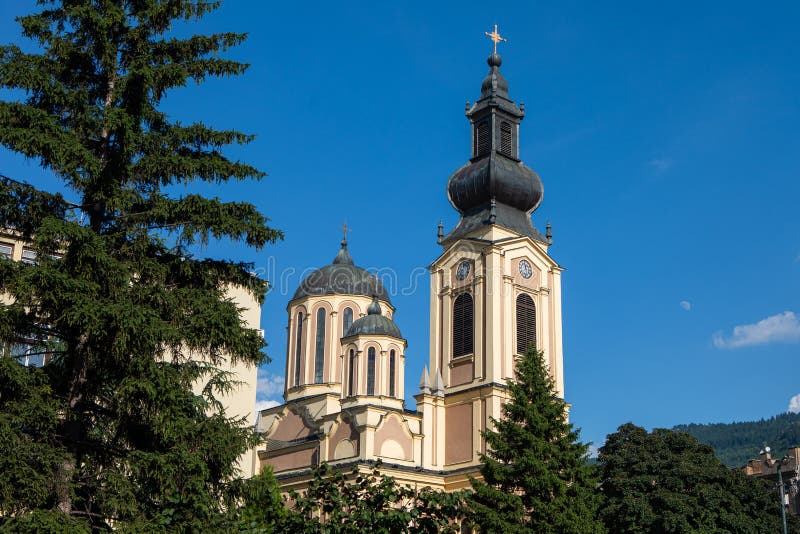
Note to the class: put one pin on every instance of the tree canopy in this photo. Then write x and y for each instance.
(535, 475)
(666, 481)
(111, 429)
(736, 443)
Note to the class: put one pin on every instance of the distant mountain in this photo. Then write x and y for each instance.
(735, 443)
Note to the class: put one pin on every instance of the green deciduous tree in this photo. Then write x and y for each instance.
(535, 475)
(110, 431)
(666, 481)
(370, 502)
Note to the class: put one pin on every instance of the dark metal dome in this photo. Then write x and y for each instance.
(495, 82)
(495, 187)
(509, 182)
(342, 277)
(374, 323)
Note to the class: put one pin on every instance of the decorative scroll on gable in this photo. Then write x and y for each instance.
(292, 425)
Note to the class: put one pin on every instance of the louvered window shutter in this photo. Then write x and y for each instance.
(505, 139)
(462, 325)
(526, 323)
(482, 139)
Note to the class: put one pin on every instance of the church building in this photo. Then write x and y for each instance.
(494, 290)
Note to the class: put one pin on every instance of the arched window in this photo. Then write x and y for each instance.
(351, 379)
(482, 141)
(371, 371)
(391, 372)
(347, 319)
(299, 350)
(319, 357)
(462, 325)
(506, 146)
(526, 323)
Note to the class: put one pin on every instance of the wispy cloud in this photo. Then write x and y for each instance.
(783, 327)
(794, 404)
(269, 390)
(269, 384)
(686, 305)
(660, 165)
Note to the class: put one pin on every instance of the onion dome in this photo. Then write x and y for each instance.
(342, 277)
(374, 323)
(495, 187)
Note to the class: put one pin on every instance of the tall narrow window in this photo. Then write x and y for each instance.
(371, 371)
(351, 379)
(299, 348)
(319, 357)
(392, 375)
(505, 139)
(526, 323)
(482, 141)
(347, 320)
(462, 325)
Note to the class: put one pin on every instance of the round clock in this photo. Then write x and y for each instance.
(463, 270)
(525, 269)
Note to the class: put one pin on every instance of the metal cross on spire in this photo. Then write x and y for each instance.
(345, 229)
(494, 36)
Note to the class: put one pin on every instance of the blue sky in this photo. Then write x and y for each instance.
(666, 135)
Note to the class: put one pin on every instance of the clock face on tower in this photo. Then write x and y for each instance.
(463, 270)
(525, 269)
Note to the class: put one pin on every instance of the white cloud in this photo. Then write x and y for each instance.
(592, 452)
(783, 327)
(269, 385)
(660, 164)
(686, 305)
(794, 404)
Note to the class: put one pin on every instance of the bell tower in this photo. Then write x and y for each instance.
(495, 290)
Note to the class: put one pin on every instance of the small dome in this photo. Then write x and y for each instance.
(342, 277)
(374, 323)
(495, 82)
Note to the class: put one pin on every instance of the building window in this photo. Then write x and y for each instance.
(26, 354)
(6, 251)
(371, 371)
(392, 363)
(29, 256)
(319, 357)
(351, 381)
(462, 325)
(347, 320)
(299, 348)
(505, 139)
(526, 323)
(482, 141)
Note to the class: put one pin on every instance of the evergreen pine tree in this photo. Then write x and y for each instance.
(535, 474)
(110, 431)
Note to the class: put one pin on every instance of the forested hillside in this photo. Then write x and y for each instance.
(735, 443)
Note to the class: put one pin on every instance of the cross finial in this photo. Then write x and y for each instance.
(345, 229)
(494, 36)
